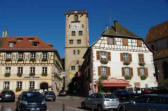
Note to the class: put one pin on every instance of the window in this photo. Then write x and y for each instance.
(32, 70)
(31, 85)
(78, 41)
(111, 41)
(6, 85)
(71, 41)
(72, 67)
(78, 51)
(8, 55)
(142, 71)
(8, 70)
(80, 33)
(126, 71)
(119, 41)
(76, 18)
(73, 33)
(132, 42)
(32, 55)
(74, 52)
(20, 55)
(20, 70)
(19, 84)
(141, 58)
(103, 70)
(35, 43)
(103, 55)
(44, 55)
(44, 70)
(125, 57)
(11, 44)
(79, 67)
(19, 39)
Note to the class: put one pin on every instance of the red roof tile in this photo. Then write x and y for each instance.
(157, 32)
(25, 44)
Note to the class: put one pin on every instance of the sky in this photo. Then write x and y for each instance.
(46, 18)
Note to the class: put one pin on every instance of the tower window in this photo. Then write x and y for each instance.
(71, 41)
(73, 33)
(78, 41)
(80, 33)
(76, 18)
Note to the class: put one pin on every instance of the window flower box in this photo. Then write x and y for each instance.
(7, 74)
(8, 59)
(44, 74)
(32, 59)
(126, 63)
(104, 61)
(127, 77)
(18, 89)
(143, 77)
(7, 88)
(142, 64)
(44, 59)
(20, 59)
(19, 74)
(32, 74)
(103, 77)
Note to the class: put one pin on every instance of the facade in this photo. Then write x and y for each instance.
(28, 63)
(76, 41)
(120, 59)
(157, 38)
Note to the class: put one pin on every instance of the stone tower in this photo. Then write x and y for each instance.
(76, 41)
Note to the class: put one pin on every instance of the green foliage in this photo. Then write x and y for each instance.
(19, 74)
(141, 63)
(104, 61)
(58, 77)
(33, 59)
(8, 59)
(100, 86)
(7, 74)
(103, 77)
(18, 89)
(58, 64)
(20, 59)
(44, 74)
(128, 77)
(32, 74)
(44, 59)
(143, 77)
(126, 63)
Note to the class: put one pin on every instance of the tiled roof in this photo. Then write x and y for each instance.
(118, 30)
(161, 54)
(25, 43)
(157, 32)
(1, 42)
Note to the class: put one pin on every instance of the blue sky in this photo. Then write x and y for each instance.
(46, 19)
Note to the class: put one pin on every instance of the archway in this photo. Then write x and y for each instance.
(44, 86)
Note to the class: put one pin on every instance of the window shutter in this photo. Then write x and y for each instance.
(108, 40)
(146, 71)
(125, 42)
(131, 71)
(109, 56)
(139, 56)
(138, 70)
(121, 56)
(98, 55)
(99, 71)
(108, 71)
(123, 73)
(139, 43)
(114, 41)
(130, 57)
(142, 56)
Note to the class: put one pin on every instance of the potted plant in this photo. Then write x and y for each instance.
(104, 61)
(19, 74)
(143, 77)
(7, 74)
(126, 62)
(32, 74)
(18, 89)
(128, 77)
(20, 59)
(142, 63)
(44, 74)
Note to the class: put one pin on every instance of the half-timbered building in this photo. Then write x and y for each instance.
(120, 59)
(28, 63)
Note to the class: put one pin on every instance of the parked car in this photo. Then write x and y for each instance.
(146, 91)
(62, 93)
(101, 102)
(49, 96)
(149, 102)
(31, 101)
(7, 95)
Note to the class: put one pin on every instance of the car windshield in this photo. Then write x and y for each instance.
(110, 96)
(50, 93)
(32, 97)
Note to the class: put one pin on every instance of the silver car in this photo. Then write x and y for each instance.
(149, 102)
(101, 102)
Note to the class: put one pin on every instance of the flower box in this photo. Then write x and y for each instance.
(33, 59)
(18, 89)
(143, 77)
(19, 74)
(104, 61)
(44, 74)
(126, 63)
(44, 59)
(8, 59)
(7, 74)
(32, 74)
(142, 64)
(127, 77)
(20, 59)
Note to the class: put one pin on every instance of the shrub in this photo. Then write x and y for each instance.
(141, 63)
(126, 63)
(103, 77)
(143, 77)
(128, 77)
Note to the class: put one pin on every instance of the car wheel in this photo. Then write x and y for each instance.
(83, 105)
(99, 108)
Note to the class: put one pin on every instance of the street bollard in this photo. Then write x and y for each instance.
(63, 107)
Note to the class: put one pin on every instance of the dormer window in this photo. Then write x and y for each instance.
(30, 39)
(19, 39)
(35, 43)
(11, 44)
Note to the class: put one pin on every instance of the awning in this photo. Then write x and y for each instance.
(113, 82)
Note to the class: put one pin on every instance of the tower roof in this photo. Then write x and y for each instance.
(70, 12)
(118, 30)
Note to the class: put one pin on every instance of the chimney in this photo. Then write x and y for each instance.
(115, 25)
(5, 33)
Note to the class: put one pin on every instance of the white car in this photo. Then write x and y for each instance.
(101, 102)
